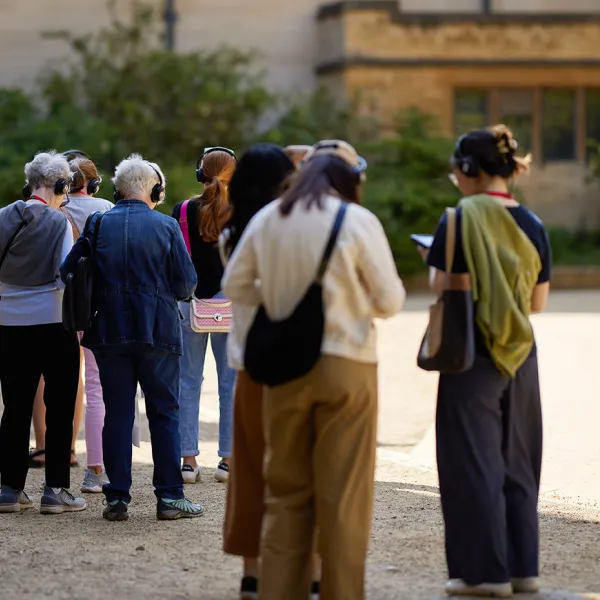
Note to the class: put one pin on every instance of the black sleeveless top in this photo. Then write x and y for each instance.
(205, 255)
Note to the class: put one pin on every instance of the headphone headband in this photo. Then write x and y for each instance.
(200, 175)
(211, 149)
(155, 194)
(71, 154)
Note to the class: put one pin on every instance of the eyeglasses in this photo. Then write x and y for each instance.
(453, 178)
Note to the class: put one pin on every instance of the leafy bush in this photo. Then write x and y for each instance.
(579, 248)
(408, 186)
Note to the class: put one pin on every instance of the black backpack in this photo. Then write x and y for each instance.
(278, 352)
(77, 307)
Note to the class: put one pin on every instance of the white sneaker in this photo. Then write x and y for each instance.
(190, 474)
(56, 503)
(526, 585)
(457, 587)
(222, 472)
(93, 482)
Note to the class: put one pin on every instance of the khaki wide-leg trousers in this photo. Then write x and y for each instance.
(321, 434)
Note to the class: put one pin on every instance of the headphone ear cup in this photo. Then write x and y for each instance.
(156, 193)
(117, 194)
(61, 187)
(93, 186)
(26, 191)
(200, 176)
(469, 167)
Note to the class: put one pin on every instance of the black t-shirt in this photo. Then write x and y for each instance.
(205, 255)
(525, 219)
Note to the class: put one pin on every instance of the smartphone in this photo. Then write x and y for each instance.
(422, 240)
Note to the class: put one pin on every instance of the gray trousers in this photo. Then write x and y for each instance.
(489, 453)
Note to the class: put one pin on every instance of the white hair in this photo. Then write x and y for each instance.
(135, 176)
(46, 169)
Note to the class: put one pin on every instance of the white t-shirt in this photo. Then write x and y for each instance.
(278, 257)
(81, 206)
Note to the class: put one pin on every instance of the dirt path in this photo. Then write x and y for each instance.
(84, 557)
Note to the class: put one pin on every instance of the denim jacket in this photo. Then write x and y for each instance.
(142, 269)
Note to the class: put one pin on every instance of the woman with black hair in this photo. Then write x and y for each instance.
(489, 420)
(320, 429)
(259, 179)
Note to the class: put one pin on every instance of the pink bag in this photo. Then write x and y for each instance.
(206, 316)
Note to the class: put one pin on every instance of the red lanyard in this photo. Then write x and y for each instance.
(501, 195)
(34, 197)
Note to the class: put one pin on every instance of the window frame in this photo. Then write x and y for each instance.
(492, 112)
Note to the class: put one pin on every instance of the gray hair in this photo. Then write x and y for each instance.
(135, 176)
(46, 169)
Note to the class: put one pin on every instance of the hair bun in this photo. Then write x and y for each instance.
(505, 142)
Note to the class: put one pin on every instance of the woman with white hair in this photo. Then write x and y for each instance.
(35, 237)
(142, 269)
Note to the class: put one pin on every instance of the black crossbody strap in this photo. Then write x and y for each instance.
(88, 225)
(10, 243)
(337, 225)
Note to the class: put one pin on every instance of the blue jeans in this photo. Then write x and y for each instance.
(158, 375)
(192, 376)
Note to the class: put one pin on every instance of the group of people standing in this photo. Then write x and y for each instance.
(268, 230)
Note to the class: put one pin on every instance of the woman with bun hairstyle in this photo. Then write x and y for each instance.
(489, 418)
(206, 216)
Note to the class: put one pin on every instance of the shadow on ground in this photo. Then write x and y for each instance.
(77, 556)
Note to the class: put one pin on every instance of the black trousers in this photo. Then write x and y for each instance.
(26, 353)
(489, 453)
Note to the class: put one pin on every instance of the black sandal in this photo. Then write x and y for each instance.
(36, 464)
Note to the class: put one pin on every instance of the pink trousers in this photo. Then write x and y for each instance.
(94, 411)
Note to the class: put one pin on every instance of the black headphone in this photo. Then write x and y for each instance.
(465, 164)
(200, 174)
(69, 155)
(92, 186)
(156, 195)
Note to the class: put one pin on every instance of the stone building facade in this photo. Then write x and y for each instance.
(534, 64)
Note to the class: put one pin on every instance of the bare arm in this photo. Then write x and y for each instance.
(540, 297)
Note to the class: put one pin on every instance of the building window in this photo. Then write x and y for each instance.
(515, 108)
(592, 118)
(545, 121)
(470, 110)
(558, 125)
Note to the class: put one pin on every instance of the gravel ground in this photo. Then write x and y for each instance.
(83, 556)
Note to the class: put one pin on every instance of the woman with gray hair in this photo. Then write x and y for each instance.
(142, 269)
(34, 239)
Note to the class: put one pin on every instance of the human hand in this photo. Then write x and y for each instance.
(424, 252)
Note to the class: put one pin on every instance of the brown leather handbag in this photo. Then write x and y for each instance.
(449, 342)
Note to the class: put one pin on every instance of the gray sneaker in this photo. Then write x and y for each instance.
(56, 503)
(9, 500)
(93, 482)
(181, 508)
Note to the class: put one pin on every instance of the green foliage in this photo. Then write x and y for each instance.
(408, 186)
(320, 116)
(579, 248)
(122, 93)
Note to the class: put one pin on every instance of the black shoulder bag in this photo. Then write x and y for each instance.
(449, 342)
(278, 352)
(77, 307)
